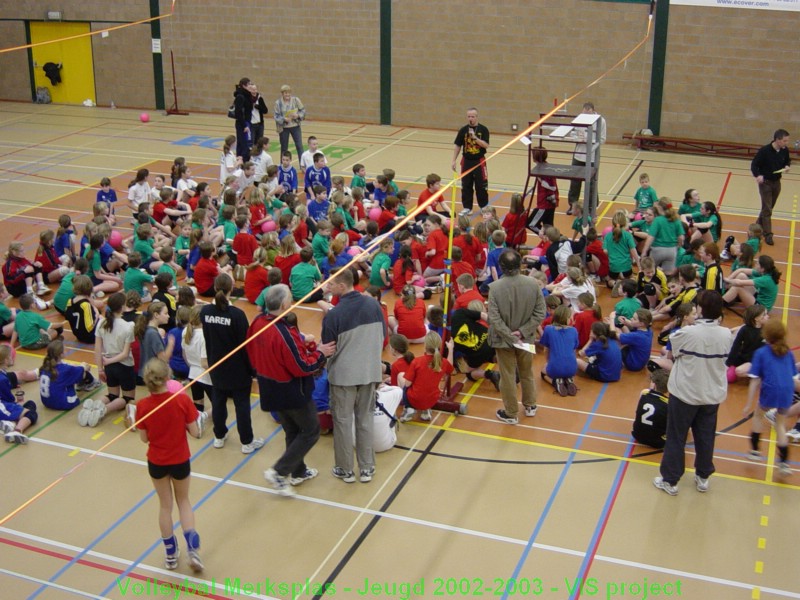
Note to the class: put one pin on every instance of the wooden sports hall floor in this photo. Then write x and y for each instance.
(462, 505)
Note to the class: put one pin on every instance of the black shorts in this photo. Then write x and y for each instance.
(593, 371)
(12, 379)
(199, 390)
(119, 375)
(625, 274)
(177, 472)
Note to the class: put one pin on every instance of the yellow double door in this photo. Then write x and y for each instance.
(74, 55)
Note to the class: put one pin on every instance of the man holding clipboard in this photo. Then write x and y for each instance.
(769, 163)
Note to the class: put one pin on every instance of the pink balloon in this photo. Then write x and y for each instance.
(115, 239)
(354, 250)
(268, 226)
(144, 117)
(607, 230)
(174, 386)
(375, 213)
(537, 252)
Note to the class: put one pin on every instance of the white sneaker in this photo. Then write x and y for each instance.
(770, 415)
(40, 304)
(252, 446)
(15, 437)
(793, 435)
(425, 415)
(659, 482)
(130, 416)
(85, 412)
(464, 212)
(6, 427)
(42, 289)
(725, 255)
(220, 442)
(407, 415)
(784, 470)
(97, 414)
(202, 419)
(279, 483)
(701, 484)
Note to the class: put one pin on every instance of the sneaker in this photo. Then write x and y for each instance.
(729, 240)
(503, 416)
(407, 415)
(252, 446)
(770, 415)
(93, 385)
(755, 456)
(42, 289)
(309, 474)
(569, 210)
(768, 240)
(130, 416)
(97, 414)
(171, 560)
(40, 304)
(202, 419)
(465, 212)
(701, 484)
(86, 411)
(195, 562)
(530, 411)
(16, 437)
(6, 427)
(784, 470)
(425, 415)
(615, 291)
(659, 482)
(494, 377)
(793, 435)
(101, 294)
(572, 389)
(561, 386)
(346, 476)
(366, 475)
(279, 483)
(725, 255)
(220, 442)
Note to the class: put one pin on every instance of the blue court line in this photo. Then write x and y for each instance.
(125, 516)
(601, 523)
(555, 491)
(200, 503)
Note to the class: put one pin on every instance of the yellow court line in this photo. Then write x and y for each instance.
(594, 454)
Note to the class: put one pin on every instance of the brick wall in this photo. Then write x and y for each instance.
(729, 72)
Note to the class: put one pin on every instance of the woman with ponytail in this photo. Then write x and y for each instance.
(772, 378)
(756, 285)
(621, 249)
(225, 330)
(422, 379)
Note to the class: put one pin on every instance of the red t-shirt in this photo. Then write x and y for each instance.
(464, 299)
(255, 280)
(459, 268)
(398, 366)
(205, 271)
(301, 234)
(386, 216)
(424, 196)
(244, 244)
(166, 428)
(516, 231)
(471, 252)
(424, 391)
(582, 321)
(258, 212)
(285, 264)
(359, 209)
(158, 212)
(411, 321)
(596, 249)
(400, 277)
(437, 240)
(418, 253)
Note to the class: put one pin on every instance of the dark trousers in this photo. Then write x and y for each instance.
(477, 180)
(256, 131)
(769, 192)
(244, 141)
(575, 186)
(296, 135)
(301, 426)
(219, 414)
(682, 417)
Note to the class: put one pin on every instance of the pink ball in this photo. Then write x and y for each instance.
(268, 226)
(375, 213)
(537, 252)
(354, 250)
(174, 386)
(115, 239)
(446, 224)
(607, 230)
(144, 117)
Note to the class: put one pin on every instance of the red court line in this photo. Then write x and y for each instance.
(94, 565)
(724, 189)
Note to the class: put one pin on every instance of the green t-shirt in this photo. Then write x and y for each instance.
(766, 291)
(645, 198)
(755, 243)
(146, 248)
(641, 225)
(165, 268)
(577, 223)
(665, 232)
(714, 220)
(27, 325)
(5, 314)
(321, 246)
(619, 253)
(182, 243)
(358, 181)
(261, 301)
(381, 261)
(64, 292)
(627, 307)
(303, 278)
(95, 266)
(688, 209)
(135, 280)
(393, 189)
(349, 221)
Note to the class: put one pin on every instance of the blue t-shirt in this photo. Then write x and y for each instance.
(776, 373)
(493, 260)
(562, 343)
(288, 179)
(109, 197)
(59, 393)
(608, 361)
(637, 344)
(176, 362)
(379, 196)
(318, 210)
(62, 243)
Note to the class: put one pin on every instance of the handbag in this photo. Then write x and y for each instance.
(232, 111)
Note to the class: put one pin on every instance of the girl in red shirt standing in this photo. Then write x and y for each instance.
(164, 430)
(423, 378)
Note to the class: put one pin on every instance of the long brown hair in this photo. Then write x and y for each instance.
(55, 352)
(774, 332)
(114, 306)
(143, 320)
